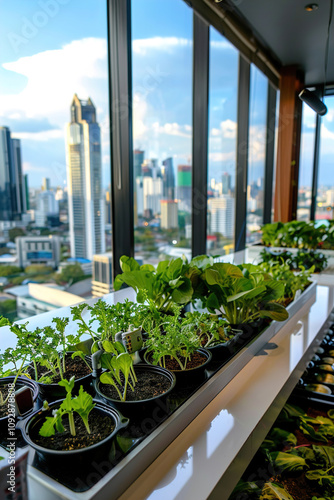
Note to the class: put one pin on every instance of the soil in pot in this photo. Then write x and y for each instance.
(74, 368)
(4, 408)
(196, 359)
(298, 487)
(149, 385)
(101, 426)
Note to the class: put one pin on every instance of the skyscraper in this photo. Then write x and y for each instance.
(226, 183)
(184, 187)
(84, 180)
(138, 158)
(168, 179)
(12, 192)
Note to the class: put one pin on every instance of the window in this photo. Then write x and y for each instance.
(325, 194)
(223, 86)
(306, 163)
(256, 154)
(162, 127)
(54, 102)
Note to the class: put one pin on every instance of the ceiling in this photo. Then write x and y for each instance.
(294, 35)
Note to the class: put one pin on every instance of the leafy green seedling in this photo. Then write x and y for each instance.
(118, 363)
(81, 404)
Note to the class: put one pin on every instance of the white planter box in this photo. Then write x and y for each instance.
(115, 482)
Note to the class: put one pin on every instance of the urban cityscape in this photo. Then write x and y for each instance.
(56, 241)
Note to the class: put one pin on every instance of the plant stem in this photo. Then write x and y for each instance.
(71, 422)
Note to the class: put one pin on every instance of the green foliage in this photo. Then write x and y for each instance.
(274, 491)
(7, 306)
(292, 282)
(243, 293)
(209, 327)
(295, 234)
(38, 269)
(72, 273)
(81, 404)
(15, 232)
(160, 287)
(110, 318)
(303, 259)
(121, 374)
(276, 437)
(177, 341)
(9, 270)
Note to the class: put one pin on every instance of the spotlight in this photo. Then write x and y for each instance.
(312, 100)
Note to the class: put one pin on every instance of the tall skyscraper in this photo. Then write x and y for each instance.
(226, 183)
(184, 187)
(138, 159)
(84, 180)
(168, 178)
(12, 192)
(222, 212)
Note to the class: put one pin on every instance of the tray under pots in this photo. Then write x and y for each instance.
(31, 425)
(136, 407)
(21, 382)
(190, 375)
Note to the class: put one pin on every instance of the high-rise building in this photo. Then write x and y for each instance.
(152, 194)
(12, 192)
(184, 187)
(46, 185)
(102, 274)
(138, 160)
(169, 215)
(47, 206)
(84, 180)
(222, 211)
(226, 183)
(168, 179)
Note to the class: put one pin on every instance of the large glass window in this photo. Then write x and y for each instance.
(306, 163)
(162, 127)
(54, 143)
(325, 195)
(223, 93)
(256, 154)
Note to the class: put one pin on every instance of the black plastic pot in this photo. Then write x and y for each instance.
(21, 382)
(52, 392)
(192, 374)
(221, 352)
(83, 455)
(135, 407)
(250, 330)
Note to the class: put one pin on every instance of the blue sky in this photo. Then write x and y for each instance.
(52, 49)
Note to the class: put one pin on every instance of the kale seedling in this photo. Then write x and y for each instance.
(81, 404)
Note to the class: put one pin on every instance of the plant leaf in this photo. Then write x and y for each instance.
(273, 491)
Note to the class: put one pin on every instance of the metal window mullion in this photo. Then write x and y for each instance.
(200, 134)
(242, 155)
(315, 167)
(270, 150)
(120, 110)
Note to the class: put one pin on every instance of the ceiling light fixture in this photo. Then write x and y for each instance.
(308, 96)
(312, 100)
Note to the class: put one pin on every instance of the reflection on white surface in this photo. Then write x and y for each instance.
(220, 427)
(176, 479)
(296, 345)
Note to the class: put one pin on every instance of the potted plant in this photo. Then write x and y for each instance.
(159, 287)
(12, 371)
(74, 428)
(215, 334)
(244, 295)
(130, 388)
(107, 319)
(178, 349)
(49, 352)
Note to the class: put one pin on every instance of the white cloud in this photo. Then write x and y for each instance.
(40, 136)
(166, 44)
(223, 44)
(53, 77)
(227, 130)
(173, 129)
(325, 133)
(230, 156)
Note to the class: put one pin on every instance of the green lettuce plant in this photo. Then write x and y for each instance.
(244, 293)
